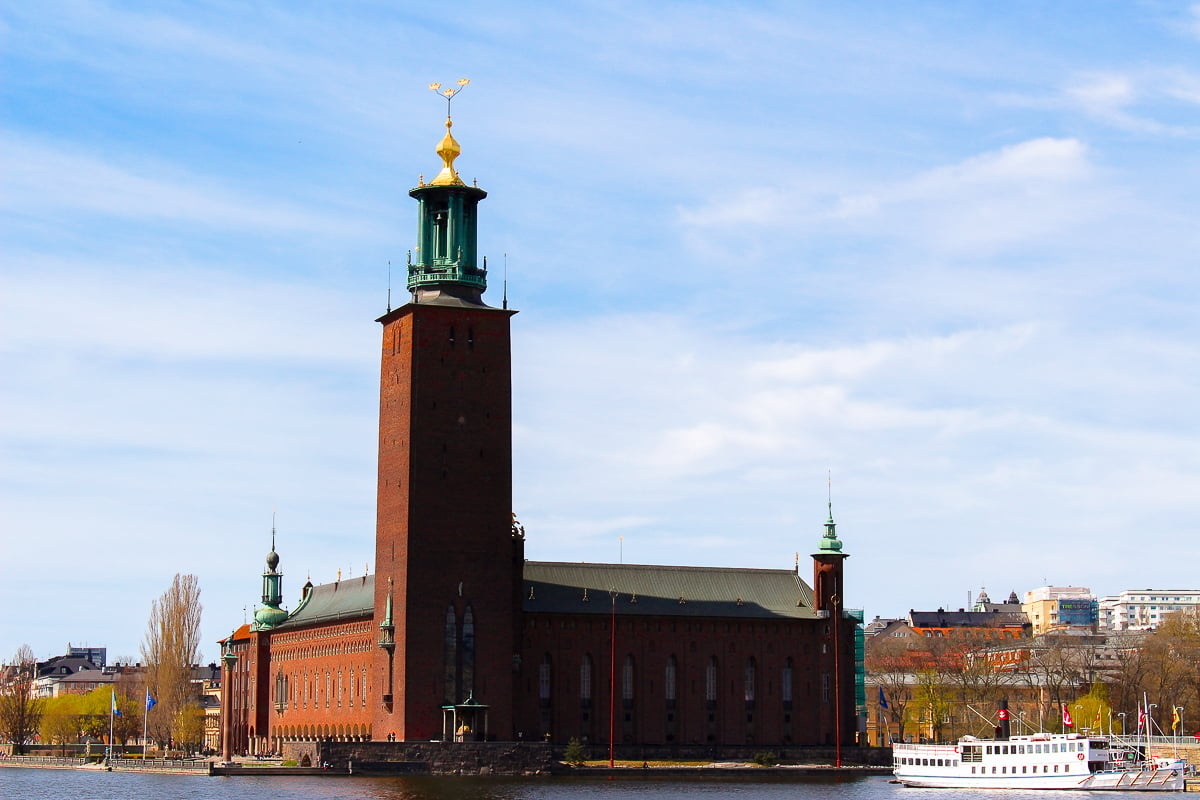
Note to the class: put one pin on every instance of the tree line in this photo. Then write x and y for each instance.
(943, 688)
(161, 699)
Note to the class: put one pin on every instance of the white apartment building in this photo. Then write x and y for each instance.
(1145, 609)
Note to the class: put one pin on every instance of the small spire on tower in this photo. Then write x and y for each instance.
(829, 542)
(448, 148)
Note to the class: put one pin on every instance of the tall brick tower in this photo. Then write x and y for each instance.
(448, 558)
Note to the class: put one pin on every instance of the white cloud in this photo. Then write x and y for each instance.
(1013, 196)
(41, 178)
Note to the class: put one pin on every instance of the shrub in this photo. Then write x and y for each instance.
(574, 754)
(766, 759)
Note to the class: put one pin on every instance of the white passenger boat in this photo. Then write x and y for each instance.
(1037, 761)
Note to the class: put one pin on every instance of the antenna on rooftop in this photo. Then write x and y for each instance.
(389, 298)
(505, 303)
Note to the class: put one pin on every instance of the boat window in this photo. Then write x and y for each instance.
(993, 770)
(972, 770)
(1003, 770)
(1021, 749)
(1056, 767)
(1023, 769)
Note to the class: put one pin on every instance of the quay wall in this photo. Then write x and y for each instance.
(533, 758)
(425, 758)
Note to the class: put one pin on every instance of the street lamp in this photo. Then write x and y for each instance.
(1021, 721)
(1121, 714)
(1078, 715)
(1150, 720)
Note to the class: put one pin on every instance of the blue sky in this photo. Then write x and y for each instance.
(943, 251)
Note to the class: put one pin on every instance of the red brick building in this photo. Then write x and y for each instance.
(458, 636)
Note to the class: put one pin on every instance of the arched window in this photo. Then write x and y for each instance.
(544, 680)
(627, 681)
(468, 654)
(748, 683)
(585, 680)
(450, 658)
(710, 681)
(785, 684)
(669, 680)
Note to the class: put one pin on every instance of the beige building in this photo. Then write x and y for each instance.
(1061, 609)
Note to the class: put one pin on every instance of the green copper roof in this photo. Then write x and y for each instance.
(829, 542)
(570, 588)
(331, 602)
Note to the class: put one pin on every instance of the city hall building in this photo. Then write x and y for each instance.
(457, 637)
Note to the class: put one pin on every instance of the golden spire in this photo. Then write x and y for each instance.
(448, 148)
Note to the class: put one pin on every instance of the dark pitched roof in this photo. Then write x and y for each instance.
(64, 665)
(966, 619)
(330, 602)
(646, 590)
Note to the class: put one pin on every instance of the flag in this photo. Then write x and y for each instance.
(1175, 719)
(1097, 722)
(1141, 719)
(1067, 716)
(882, 699)
(113, 707)
(150, 701)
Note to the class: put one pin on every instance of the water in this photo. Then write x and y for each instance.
(39, 784)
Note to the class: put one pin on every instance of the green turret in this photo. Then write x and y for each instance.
(271, 614)
(829, 542)
(445, 267)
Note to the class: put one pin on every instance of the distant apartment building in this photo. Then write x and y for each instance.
(1145, 609)
(1061, 609)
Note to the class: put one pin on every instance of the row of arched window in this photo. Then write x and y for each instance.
(749, 682)
(341, 687)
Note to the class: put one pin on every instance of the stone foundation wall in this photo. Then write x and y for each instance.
(428, 758)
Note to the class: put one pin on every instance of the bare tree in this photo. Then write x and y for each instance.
(171, 647)
(890, 663)
(20, 710)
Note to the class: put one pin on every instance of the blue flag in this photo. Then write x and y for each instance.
(882, 699)
(150, 701)
(115, 710)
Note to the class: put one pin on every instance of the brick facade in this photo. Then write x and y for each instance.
(724, 658)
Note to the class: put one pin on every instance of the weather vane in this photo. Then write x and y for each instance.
(449, 93)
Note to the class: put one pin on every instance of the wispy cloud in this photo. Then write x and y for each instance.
(1012, 196)
(42, 178)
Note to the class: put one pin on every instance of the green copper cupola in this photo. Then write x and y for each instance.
(271, 614)
(445, 265)
(829, 542)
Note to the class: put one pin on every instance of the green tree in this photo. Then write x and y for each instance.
(171, 647)
(20, 708)
(60, 721)
(188, 728)
(1092, 712)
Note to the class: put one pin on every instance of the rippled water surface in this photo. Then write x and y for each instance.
(37, 784)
